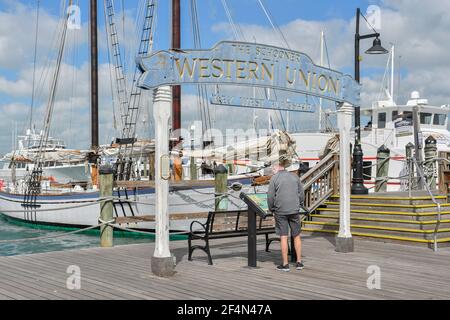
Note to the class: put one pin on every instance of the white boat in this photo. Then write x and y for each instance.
(391, 126)
(61, 165)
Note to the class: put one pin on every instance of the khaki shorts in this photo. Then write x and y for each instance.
(284, 222)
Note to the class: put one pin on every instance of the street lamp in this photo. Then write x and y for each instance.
(358, 178)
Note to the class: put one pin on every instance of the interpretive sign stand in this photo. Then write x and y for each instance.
(257, 206)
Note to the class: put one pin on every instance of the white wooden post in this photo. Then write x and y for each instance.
(163, 264)
(344, 239)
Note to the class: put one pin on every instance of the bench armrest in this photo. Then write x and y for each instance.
(203, 225)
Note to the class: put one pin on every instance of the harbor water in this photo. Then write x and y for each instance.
(11, 230)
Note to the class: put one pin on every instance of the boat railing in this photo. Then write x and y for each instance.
(321, 182)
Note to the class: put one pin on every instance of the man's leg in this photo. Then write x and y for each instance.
(284, 249)
(298, 248)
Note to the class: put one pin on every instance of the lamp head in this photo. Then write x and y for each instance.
(377, 48)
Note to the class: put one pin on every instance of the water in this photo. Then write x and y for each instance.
(10, 230)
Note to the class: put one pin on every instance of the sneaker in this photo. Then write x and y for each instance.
(299, 266)
(284, 268)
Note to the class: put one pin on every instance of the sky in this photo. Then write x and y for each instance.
(417, 28)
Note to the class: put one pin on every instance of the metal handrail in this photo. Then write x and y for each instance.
(433, 199)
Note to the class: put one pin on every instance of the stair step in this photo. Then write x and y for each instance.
(380, 236)
(387, 199)
(392, 231)
(428, 224)
(387, 207)
(414, 216)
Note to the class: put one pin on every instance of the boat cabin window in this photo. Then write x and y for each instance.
(439, 119)
(382, 120)
(425, 118)
(394, 115)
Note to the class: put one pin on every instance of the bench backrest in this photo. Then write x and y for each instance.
(223, 221)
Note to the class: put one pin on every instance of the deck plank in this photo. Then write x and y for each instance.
(124, 272)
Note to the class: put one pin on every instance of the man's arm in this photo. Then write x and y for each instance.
(301, 192)
(271, 195)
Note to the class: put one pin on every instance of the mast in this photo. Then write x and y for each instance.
(392, 71)
(176, 44)
(94, 75)
(322, 42)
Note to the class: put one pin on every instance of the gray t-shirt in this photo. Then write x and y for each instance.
(285, 193)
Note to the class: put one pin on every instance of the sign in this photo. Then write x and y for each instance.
(248, 64)
(246, 102)
(260, 199)
(403, 127)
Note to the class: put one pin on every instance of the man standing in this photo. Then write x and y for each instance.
(284, 198)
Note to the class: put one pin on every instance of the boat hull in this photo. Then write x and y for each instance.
(83, 209)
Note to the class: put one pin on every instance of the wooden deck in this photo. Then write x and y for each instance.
(407, 272)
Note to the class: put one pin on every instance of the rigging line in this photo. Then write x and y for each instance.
(368, 23)
(34, 63)
(273, 23)
(380, 93)
(118, 75)
(326, 50)
(197, 45)
(202, 90)
(123, 34)
(47, 66)
(230, 19)
(51, 101)
(74, 81)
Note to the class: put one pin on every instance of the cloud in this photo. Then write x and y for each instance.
(417, 28)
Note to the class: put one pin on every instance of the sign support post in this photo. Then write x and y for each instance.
(344, 239)
(163, 264)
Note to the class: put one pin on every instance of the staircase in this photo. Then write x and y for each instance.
(389, 217)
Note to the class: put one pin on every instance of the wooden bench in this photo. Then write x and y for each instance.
(227, 224)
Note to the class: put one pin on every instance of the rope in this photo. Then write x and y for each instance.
(147, 233)
(65, 202)
(54, 236)
(48, 210)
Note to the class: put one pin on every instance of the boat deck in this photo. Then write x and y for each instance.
(407, 272)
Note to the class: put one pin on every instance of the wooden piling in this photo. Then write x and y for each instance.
(383, 154)
(430, 161)
(193, 169)
(151, 167)
(221, 188)
(106, 207)
(410, 165)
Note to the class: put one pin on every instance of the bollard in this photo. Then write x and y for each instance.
(430, 161)
(221, 188)
(383, 154)
(106, 207)
(410, 166)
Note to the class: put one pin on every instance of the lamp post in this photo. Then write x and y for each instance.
(358, 178)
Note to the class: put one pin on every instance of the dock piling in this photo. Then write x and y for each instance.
(221, 188)
(106, 207)
(410, 165)
(430, 161)
(383, 154)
